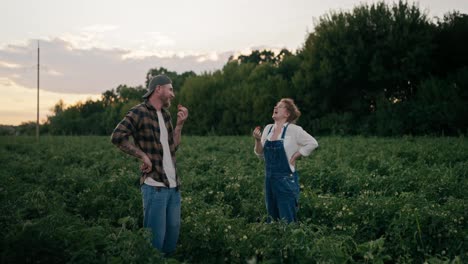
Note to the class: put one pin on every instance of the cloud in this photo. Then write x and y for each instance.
(100, 28)
(18, 103)
(81, 67)
(68, 68)
(9, 65)
(90, 37)
(212, 56)
(159, 39)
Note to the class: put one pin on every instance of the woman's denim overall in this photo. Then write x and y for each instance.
(281, 184)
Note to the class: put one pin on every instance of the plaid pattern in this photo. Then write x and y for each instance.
(141, 122)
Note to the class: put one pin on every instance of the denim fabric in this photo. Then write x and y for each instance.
(281, 184)
(161, 214)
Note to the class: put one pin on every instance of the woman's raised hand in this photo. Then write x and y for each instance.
(257, 133)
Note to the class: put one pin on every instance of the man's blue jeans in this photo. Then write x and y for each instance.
(161, 214)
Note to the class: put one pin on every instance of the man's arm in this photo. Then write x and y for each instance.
(182, 115)
(120, 138)
(129, 148)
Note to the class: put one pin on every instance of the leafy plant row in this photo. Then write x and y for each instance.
(363, 200)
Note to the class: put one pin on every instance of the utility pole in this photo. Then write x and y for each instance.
(37, 121)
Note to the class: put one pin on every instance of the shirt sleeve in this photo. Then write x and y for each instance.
(126, 127)
(306, 142)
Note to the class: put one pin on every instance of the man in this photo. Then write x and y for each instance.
(155, 144)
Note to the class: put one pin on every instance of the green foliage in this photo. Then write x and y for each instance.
(451, 34)
(363, 200)
(69, 200)
(7, 130)
(353, 58)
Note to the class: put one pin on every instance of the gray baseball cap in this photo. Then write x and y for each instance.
(160, 79)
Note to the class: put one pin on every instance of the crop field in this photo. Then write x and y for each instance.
(363, 200)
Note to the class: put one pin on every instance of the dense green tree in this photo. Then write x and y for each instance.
(451, 38)
(258, 57)
(125, 93)
(109, 97)
(353, 59)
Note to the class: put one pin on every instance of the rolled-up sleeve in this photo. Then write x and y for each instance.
(125, 128)
(306, 142)
(264, 137)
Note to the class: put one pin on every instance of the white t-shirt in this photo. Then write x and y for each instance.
(295, 139)
(168, 164)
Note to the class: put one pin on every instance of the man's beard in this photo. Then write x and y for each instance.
(166, 102)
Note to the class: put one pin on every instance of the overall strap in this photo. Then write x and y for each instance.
(284, 131)
(269, 131)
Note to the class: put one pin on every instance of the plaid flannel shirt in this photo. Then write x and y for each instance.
(141, 122)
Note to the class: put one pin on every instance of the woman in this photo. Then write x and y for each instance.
(281, 144)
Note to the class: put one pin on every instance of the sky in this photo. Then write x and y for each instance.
(90, 46)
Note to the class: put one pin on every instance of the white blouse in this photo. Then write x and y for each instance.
(295, 139)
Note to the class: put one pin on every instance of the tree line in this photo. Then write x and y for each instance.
(379, 69)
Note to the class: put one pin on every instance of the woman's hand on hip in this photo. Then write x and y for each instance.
(295, 157)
